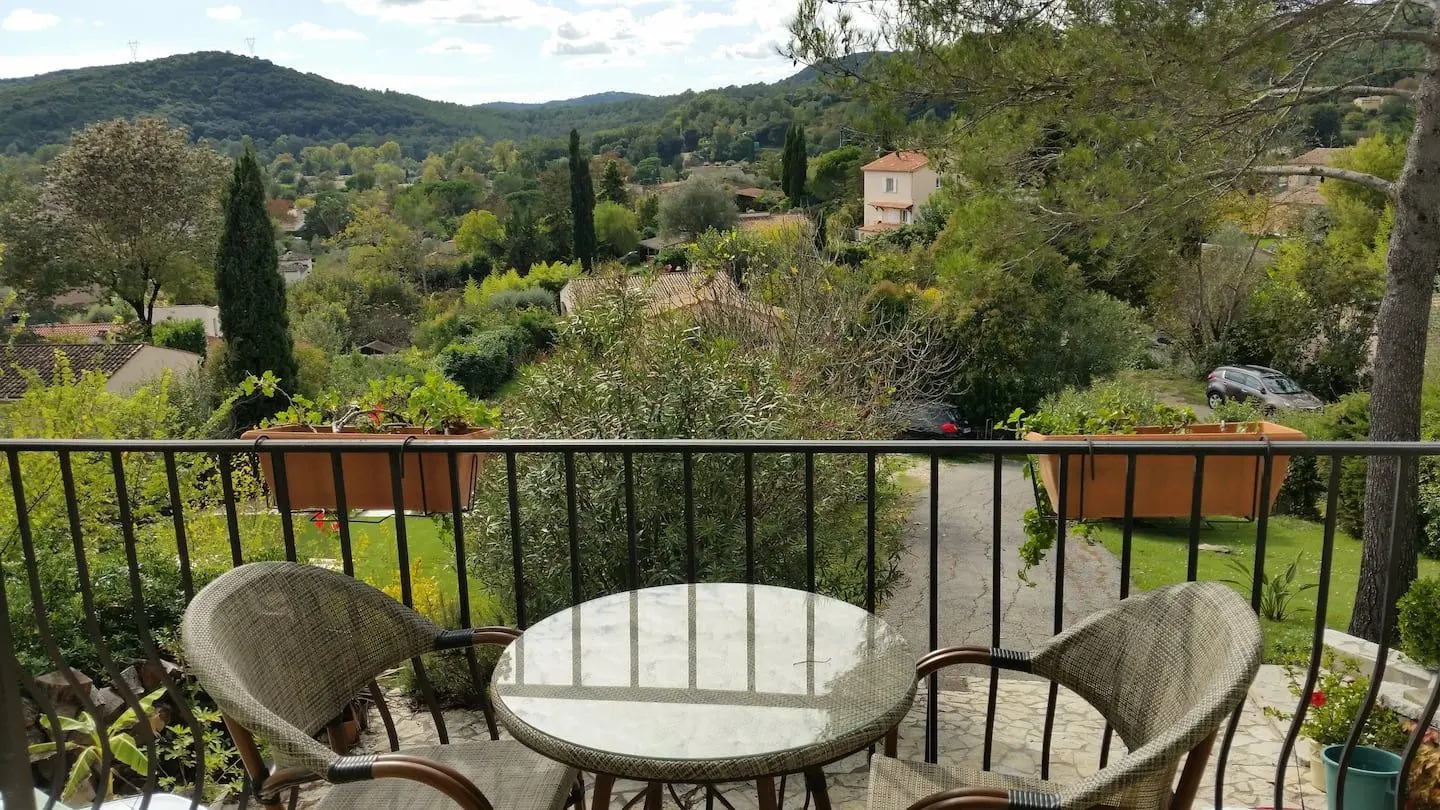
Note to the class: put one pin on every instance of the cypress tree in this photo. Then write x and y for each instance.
(797, 166)
(787, 155)
(251, 292)
(582, 204)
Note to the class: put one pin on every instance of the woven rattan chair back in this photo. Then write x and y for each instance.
(278, 641)
(1166, 669)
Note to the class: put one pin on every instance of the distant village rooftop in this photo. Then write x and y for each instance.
(897, 162)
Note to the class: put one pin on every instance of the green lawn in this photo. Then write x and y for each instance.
(376, 554)
(1159, 552)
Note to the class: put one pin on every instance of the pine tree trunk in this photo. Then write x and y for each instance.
(1404, 323)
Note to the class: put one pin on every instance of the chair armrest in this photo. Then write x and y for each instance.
(416, 769)
(983, 798)
(458, 639)
(987, 656)
(936, 660)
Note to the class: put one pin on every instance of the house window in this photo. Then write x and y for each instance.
(889, 185)
(904, 216)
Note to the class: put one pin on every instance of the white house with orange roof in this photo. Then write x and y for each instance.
(896, 185)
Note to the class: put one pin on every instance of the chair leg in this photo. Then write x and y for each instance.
(577, 792)
(815, 781)
(765, 786)
(604, 783)
(654, 795)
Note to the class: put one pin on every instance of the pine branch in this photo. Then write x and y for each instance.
(1335, 89)
(1369, 181)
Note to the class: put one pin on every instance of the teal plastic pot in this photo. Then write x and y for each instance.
(1372, 779)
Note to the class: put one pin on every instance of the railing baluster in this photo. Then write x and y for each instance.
(810, 522)
(632, 542)
(1059, 615)
(1317, 646)
(177, 516)
(997, 471)
(687, 464)
(518, 561)
(15, 782)
(1256, 585)
(572, 526)
(749, 462)
(342, 512)
(282, 503)
(1127, 537)
(407, 595)
(232, 519)
(462, 590)
(870, 531)
(932, 684)
(1192, 560)
(1387, 628)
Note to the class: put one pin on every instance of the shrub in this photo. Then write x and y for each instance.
(614, 374)
(616, 228)
(1335, 703)
(1420, 621)
(186, 335)
(540, 327)
(553, 276)
(486, 361)
(677, 257)
(535, 297)
(496, 283)
(698, 205)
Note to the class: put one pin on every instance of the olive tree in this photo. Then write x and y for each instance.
(698, 205)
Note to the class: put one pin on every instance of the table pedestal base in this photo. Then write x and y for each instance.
(765, 787)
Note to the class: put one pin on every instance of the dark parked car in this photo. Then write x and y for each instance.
(1269, 388)
(930, 420)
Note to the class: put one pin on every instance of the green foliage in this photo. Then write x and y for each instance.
(1107, 408)
(524, 244)
(433, 403)
(582, 203)
(253, 313)
(479, 233)
(698, 205)
(553, 276)
(1336, 701)
(350, 306)
(617, 373)
(1420, 621)
(838, 176)
(1277, 590)
(536, 297)
(113, 738)
(612, 184)
(188, 335)
(615, 228)
(224, 771)
(486, 361)
(793, 161)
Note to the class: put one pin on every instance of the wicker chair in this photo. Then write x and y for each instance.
(1165, 669)
(283, 648)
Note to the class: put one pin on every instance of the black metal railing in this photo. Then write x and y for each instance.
(187, 484)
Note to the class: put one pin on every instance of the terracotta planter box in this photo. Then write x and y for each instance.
(1095, 484)
(425, 478)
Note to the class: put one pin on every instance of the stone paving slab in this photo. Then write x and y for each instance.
(1017, 743)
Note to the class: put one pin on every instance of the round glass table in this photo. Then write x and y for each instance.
(704, 684)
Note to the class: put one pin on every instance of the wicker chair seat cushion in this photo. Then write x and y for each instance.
(896, 784)
(511, 776)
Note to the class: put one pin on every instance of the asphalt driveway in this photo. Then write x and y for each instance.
(966, 581)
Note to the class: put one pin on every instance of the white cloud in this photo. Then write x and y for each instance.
(226, 13)
(568, 30)
(33, 64)
(592, 48)
(24, 19)
(518, 13)
(456, 45)
(319, 33)
(762, 46)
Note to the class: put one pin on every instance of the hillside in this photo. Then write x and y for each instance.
(225, 98)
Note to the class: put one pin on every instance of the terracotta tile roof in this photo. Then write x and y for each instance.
(658, 288)
(896, 162)
(93, 331)
(750, 222)
(40, 359)
(899, 206)
(1319, 156)
(749, 191)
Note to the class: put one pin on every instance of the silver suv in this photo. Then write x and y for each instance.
(1270, 389)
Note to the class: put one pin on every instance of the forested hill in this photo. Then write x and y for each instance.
(225, 98)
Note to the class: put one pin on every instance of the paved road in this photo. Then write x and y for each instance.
(966, 582)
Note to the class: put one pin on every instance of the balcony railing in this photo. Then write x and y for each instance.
(171, 485)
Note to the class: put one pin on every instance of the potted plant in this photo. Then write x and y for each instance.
(1164, 485)
(1334, 704)
(435, 408)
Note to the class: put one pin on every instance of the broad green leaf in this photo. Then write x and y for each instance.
(123, 746)
(80, 772)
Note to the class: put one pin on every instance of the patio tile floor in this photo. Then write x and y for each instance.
(1020, 717)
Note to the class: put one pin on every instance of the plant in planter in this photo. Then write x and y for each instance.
(1334, 704)
(1420, 622)
(421, 412)
(1424, 783)
(1163, 484)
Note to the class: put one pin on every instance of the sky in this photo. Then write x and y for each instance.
(466, 51)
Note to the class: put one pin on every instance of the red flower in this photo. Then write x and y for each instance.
(1317, 699)
(334, 525)
(949, 427)
(319, 520)
(376, 413)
